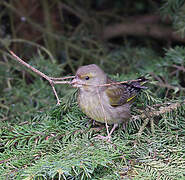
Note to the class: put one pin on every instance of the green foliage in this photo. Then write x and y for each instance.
(23, 89)
(172, 7)
(82, 160)
(175, 10)
(175, 56)
(127, 60)
(39, 141)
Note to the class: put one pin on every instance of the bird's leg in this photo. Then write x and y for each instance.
(107, 128)
(112, 130)
(105, 117)
(125, 126)
(108, 137)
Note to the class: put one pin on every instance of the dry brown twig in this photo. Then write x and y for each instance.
(178, 68)
(149, 115)
(164, 84)
(51, 80)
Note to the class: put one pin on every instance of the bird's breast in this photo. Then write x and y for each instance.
(97, 107)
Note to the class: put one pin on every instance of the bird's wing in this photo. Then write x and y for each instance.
(123, 93)
(118, 95)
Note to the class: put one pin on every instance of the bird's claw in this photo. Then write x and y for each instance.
(58, 103)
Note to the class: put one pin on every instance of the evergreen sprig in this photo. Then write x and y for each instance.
(175, 10)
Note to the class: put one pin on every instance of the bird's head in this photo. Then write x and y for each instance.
(87, 77)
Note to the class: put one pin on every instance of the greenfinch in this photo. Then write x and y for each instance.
(102, 99)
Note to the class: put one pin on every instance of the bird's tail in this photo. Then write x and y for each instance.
(135, 87)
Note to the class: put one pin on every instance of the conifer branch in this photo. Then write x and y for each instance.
(170, 107)
(148, 115)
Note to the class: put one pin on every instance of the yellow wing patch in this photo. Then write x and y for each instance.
(129, 99)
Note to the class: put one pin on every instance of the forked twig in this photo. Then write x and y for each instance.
(151, 114)
(51, 80)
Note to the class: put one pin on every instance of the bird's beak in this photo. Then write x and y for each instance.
(76, 83)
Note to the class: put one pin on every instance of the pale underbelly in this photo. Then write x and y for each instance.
(101, 111)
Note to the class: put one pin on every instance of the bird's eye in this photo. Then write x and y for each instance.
(87, 78)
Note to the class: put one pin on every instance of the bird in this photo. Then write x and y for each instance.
(103, 99)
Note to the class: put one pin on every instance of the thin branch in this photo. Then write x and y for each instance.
(63, 78)
(117, 83)
(162, 110)
(168, 86)
(148, 116)
(29, 66)
(109, 84)
(180, 68)
(50, 79)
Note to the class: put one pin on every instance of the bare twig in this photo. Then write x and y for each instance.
(63, 78)
(165, 85)
(150, 114)
(50, 79)
(117, 83)
(109, 84)
(180, 68)
(162, 110)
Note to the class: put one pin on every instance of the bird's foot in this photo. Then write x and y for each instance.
(58, 103)
(105, 138)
